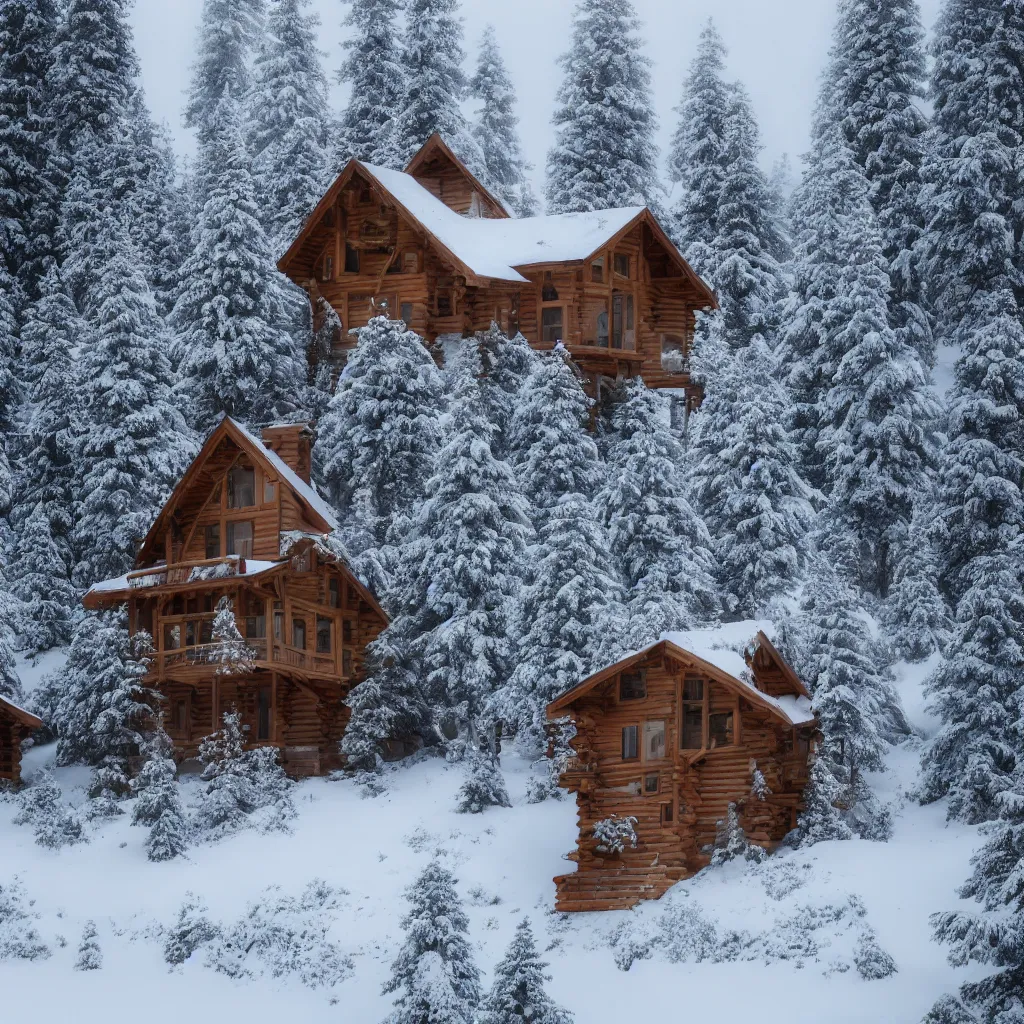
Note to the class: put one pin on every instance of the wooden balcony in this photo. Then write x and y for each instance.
(200, 660)
(194, 571)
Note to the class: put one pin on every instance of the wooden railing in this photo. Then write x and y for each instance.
(281, 654)
(187, 572)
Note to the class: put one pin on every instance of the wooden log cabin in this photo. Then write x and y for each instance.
(16, 725)
(432, 246)
(245, 522)
(670, 736)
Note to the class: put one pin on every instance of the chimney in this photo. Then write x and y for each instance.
(292, 443)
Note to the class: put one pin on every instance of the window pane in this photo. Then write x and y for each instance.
(654, 741)
(278, 624)
(206, 631)
(255, 626)
(693, 728)
(406, 312)
(551, 324)
(240, 539)
(351, 260)
(213, 541)
(597, 270)
(622, 264)
(346, 663)
(241, 487)
(323, 635)
(617, 321)
(629, 740)
(602, 328)
(269, 491)
(720, 730)
(666, 814)
(548, 293)
(172, 638)
(335, 592)
(632, 685)
(299, 634)
(693, 689)
(190, 634)
(346, 631)
(652, 783)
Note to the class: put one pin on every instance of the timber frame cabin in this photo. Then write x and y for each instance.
(670, 736)
(16, 725)
(433, 247)
(245, 522)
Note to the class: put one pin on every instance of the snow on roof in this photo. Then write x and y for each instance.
(294, 481)
(494, 247)
(18, 709)
(253, 567)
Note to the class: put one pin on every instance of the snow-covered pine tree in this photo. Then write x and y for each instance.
(821, 819)
(10, 684)
(517, 994)
(133, 442)
(484, 785)
(604, 155)
(473, 529)
(434, 973)
(971, 170)
(159, 804)
(435, 84)
(378, 440)
(875, 83)
(28, 199)
(90, 957)
(228, 650)
(745, 477)
(731, 842)
(232, 309)
(373, 69)
(102, 708)
(697, 154)
(496, 128)
(289, 121)
(191, 930)
(42, 807)
(662, 546)
(505, 363)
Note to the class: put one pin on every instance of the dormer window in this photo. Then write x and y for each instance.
(241, 487)
(597, 271)
(549, 293)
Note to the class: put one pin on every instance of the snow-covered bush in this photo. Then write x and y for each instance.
(871, 960)
(731, 841)
(192, 930)
(42, 808)
(19, 939)
(612, 835)
(90, 958)
(759, 788)
(483, 786)
(109, 786)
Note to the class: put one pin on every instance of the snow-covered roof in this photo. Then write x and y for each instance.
(252, 567)
(493, 247)
(26, 717)
(305, 491)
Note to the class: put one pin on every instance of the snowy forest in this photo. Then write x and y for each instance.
(853, 474)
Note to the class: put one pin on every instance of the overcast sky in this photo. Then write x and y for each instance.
(776, 47)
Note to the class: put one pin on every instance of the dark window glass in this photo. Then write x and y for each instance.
(323, 635)
(172, 637)
(548, 293)
(551, 324)
(178, 605)
(346, 663)
(241, 487)
(597, 271)
(206, 631)
(213, 541)
(406, 313)
(191, 605)
(255, 626)
(351, 260)
(278, 623)
(666, 814)
(328, 268)
(602, 328)
(335, 592)
(720, 730)
(299, 634)
(240, 539)
(629, 312)
(652, 783)
(629, 743)
(617, 321)
(190, 633)
(632, 685)
(263, 714)
(622, 264)
(693, 727)
(693, 689)
(346, 631)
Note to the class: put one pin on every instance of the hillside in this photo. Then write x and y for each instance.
(797, 929)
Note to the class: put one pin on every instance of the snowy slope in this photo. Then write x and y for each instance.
(374, 847)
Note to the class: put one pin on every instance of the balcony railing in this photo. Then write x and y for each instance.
(281, 654)
(187, 572)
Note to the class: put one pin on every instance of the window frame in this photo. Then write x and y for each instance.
(230, 540)
(299, 622)
(642, 673)
(691, 702)
(657, 784)
(616, 258)
(230, 488)
(321, 621)
(547, 308)
(635, 756)
(643, 740)
(212, 532)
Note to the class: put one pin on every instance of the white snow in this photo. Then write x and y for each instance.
(493, 248)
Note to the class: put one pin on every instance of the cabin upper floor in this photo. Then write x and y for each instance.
(433, 247)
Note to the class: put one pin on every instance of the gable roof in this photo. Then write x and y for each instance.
(435, 146)
(485, 248)
(19, 714)
(704, 650)
(320, 513)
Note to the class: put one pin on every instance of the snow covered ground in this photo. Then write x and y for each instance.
(505, 860)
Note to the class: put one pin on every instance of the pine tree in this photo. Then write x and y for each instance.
(506, 363)
(517, 994)
(288, 121)
(159, 804)
(28, 199)
(373, 68)
(435, 84)
(229, 650)
(821, 820)
(496, 128)
(134, 444)
(731, 842)
(42, 807)
(745, 478)
(378, 440)
(232, 310)
(875, 85)
(483, 786)
(90, 958)
(434, 972)
(697, 155)
(604, 154)
(661, 545)
(191, 930)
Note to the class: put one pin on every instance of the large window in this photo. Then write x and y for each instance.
(621, 264)
(720, 730)
(334, 592)
(351, 260)
(691, 736)
(633, 685)
(629, 743)
(597, 271)
(602, 328)
(241, 487)
(212, 534)
(240, 539)
(623, 333)
(323, 635)
(551, 323)
(654, 741)
(299, 634)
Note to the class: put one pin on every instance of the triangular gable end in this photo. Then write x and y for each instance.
(447, 178)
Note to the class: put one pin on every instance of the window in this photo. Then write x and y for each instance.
(299, 634)
(633, 685)
(691, 736)
(548, 292)
(323, 635)
(255, 627)
(621, 264)
(278, 621)
(346, 631)
(406, 313)
(395, 266)
(410, 262)
(602, 328)
(630, 332)
(629, 743)
(206, 631)
(212, 534)
(269, 491)
(673, 353)
(617, 328)
(551, 324)
(181, 715)
(191, 605)
(328, 267)
(512, 328)
(346, 663)
(172, 637)
(720, 730)
(178, 605)
(666, 814)
(241, 487)
(654, 741)
(191, 633)
(240, 539)
(597, 271)
(652, 783)
(263, 714)
(207, 602)
(351, 260)
(334, 592)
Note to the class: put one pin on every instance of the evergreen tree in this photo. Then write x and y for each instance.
(496, 129)
(134, 444)
(378, 440)
(661, 545)
(506, 364)
(229, 650)
(483, 786)
(435, 84)
(191, 930)
(821, 820)
(232, 311)
(434, 972)
(373, 68)
(517, 994)
(745, 477)
(604, 154)
(731, 842)
(90, 958)
(41, 806)
(289, 122)
(159, 804)
(697, 156)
